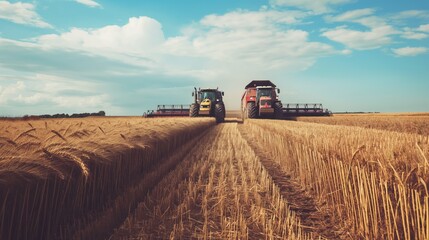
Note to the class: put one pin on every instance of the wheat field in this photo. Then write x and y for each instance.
(217, 192)
(57, 176)
(373, 181)
(353, 177)
(406, 122)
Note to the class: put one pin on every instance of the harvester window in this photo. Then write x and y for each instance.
(208, 95)
(265, 92)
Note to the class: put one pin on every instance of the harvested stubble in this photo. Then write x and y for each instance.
(375, 181)
(220, 191)
(57, 176)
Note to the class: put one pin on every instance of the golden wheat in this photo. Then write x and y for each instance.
(60, 175)
(192, 179)
(376, 181)
(217, 192)
(409, 123)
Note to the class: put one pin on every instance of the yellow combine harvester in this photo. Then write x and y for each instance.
(208, 102)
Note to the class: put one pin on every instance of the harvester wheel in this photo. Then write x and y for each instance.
(252, 111)
(193, 111)
(219, 112)
(278, 110)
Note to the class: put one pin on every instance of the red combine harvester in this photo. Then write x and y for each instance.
(260, 100)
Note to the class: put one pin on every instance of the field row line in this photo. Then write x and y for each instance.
(219, 191)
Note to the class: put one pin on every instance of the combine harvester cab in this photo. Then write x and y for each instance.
(208, 102)
(261, 100)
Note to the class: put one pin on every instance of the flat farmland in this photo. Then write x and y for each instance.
(180, 178)
(411, 123)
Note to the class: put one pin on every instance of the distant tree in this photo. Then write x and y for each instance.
(74, 115)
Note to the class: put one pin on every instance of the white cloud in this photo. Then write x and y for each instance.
(50, 89)
(262, 48)
(21, 13)
(423, 28)
(346, 51)
(409, 51)
(317, 6)
(379, 32)
(133, 43)
(264, 39)
(412, 14)
(418, 33)
(54, 84)
(351, 15)
(360, 40)
(413, 35)
(10, 91)
(252, 19)
(269, 43)
(219, 49)
(83, 103)
(364, 17)
(89, 3)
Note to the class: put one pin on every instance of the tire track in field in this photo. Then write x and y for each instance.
(219, 191)
(134, 194)
(154, 218)
(299, 200)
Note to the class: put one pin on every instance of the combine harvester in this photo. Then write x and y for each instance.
(260, 100)
(207, 102)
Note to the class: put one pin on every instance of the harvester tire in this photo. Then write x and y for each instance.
(252, 111)
(193, 111)
(278, 110)
(219, 112)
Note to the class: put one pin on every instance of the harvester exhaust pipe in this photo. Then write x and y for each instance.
(195, 94)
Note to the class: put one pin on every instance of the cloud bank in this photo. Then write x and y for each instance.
(409, 51)
(21, 13)
(124, 65)
(318, 7)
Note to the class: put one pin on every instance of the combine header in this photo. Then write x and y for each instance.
(260, 100)
(169, 111)
(304, 109)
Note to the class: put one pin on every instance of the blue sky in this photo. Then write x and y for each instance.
(125, 57)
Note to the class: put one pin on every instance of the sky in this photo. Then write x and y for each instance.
(126, 57)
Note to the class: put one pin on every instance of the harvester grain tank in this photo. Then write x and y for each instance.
(208, 102)
(260, 100)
